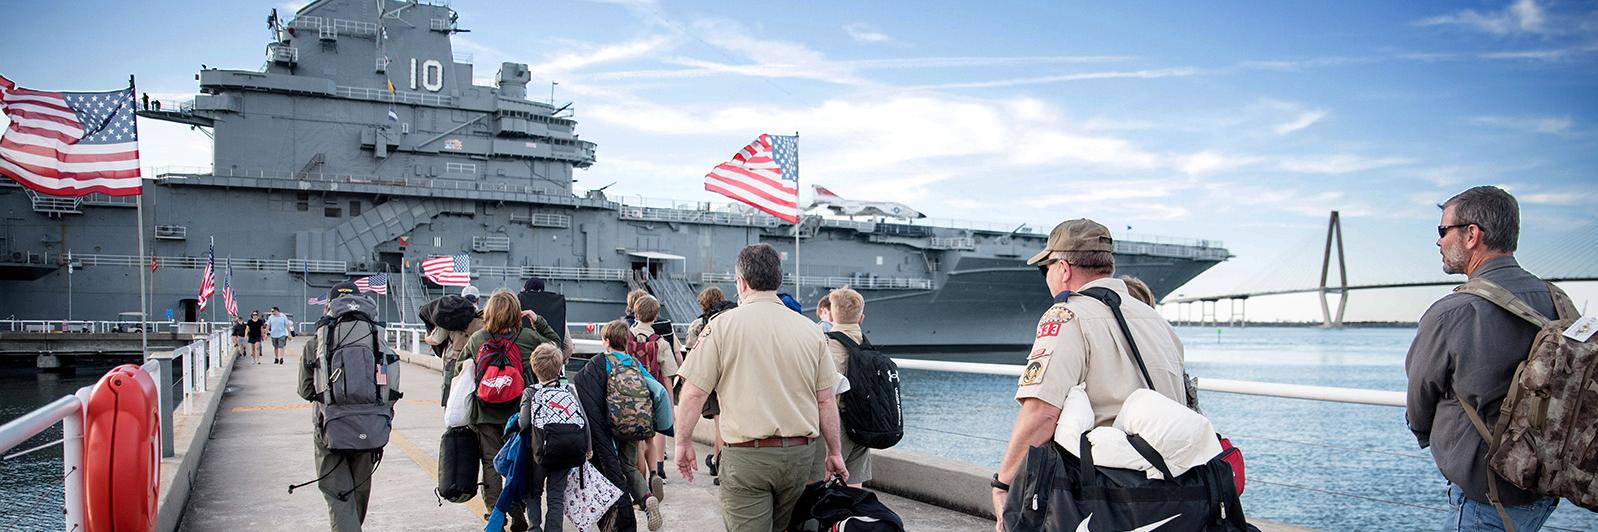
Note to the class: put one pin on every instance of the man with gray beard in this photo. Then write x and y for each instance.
(1465, 353)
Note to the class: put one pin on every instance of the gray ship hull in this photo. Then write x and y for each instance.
(363, 147)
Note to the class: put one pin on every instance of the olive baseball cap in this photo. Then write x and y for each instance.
(1080, 234)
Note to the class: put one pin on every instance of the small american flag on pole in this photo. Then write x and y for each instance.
(373, 283)
(764, 175)
(70, 143)
(208, 278)
(230, 304)
(448, 270)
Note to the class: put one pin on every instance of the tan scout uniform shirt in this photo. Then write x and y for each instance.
(766, 363)
(840, 355)
(663, 350)
(1078, 342)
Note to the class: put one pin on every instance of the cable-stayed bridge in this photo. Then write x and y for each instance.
(1568, 261)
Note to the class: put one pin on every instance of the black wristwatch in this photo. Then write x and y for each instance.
(999, 485)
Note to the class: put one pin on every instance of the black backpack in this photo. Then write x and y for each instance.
(452, 312)
(871, 413)
(459, 459)
(562, 435)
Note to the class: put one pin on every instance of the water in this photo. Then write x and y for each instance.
(31, 484)
(1320, 465)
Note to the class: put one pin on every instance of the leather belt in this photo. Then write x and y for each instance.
(775, 441)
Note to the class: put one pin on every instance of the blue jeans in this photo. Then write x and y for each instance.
(555, 482)
(1469, 515)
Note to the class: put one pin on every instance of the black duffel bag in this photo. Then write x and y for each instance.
(1056, 491)
(459, 459)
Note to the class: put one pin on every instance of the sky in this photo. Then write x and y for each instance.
(1245, 123)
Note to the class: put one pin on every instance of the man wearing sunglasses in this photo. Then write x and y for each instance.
(1076, 342)
(1468, 348)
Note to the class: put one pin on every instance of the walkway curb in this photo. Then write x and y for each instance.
(190, 434)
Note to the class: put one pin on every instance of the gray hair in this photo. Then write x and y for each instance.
(1493, 210)
(760, 267)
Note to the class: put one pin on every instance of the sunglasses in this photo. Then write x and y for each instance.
(1442, 230)
(1043, 267)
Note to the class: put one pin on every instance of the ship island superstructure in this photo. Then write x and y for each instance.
(362, 146)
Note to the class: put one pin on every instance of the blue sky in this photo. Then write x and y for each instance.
(1239, 122)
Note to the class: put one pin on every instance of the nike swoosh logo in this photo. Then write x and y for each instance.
(1083, 526)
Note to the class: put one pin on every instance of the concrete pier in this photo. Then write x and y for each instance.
(261, 443)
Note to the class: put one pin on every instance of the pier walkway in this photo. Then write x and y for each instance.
(261, 443)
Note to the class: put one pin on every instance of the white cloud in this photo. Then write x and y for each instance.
(865, 34)
(1527, 124)
(1524, 16)
(1205, 162)
(1546, 54)
(1304, 119)
(1175, 72)
(1341, 163)
(600, 54)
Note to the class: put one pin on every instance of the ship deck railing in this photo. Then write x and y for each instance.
(868, 282)
(97, 326)
(547, 196)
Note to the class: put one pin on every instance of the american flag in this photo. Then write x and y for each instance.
(70, 143)
(448, 271)
(317, 300)
(374, 283)
(208, 278)
(230, 304)
(764, 175)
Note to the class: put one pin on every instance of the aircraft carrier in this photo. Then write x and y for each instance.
(362, 146)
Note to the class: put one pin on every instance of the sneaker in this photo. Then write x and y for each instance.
(710, 463)
(652, 511)
(657, 486)
(660, 469)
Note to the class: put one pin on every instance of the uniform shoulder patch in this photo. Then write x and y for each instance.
(1049, 326)
(1033, 374)
(1060, 313)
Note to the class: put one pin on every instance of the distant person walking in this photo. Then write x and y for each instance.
(1465, 353)
(280, 328)
(550, 305)
(824, 314)
(502, 322)
(453, 340)
(238, 336)
(769, 365)
(254, 329)
(1076, 343)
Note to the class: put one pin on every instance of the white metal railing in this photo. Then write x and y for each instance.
(553, 272)
(382, 95)
(87, 326)
(198, 360)
(171, 232)
(1266, 389)
(966, 243)
(290, 265)
(337, 26)
(428, 184)
(540, 219)
(102, 200)
(860, 282)
(278, 53)
(484, 244)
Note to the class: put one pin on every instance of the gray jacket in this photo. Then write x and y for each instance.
(1467, 346)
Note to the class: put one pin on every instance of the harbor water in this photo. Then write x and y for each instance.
(1321, 465)
(1327, 466)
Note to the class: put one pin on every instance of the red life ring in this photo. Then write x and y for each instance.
(590, 326)
(121, 452)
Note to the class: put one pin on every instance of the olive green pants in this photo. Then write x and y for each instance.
(346, 485)
(760, 487)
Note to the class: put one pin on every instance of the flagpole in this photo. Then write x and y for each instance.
(305, 290)
(138, 204)
(798, 280)
(69, 288)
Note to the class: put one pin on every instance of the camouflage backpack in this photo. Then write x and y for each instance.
(1544, 440)
(632, 409)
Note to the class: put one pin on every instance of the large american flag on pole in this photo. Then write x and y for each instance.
(373, 283)
(70, 143)
(764, 175)
(208, 278)
(448, 270)
(229, 304)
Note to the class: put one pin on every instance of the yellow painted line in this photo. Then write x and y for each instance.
(430, 465)
(306, 405)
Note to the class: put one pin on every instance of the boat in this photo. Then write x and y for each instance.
(362, 146)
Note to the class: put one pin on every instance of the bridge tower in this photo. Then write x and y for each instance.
(1334, 228)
